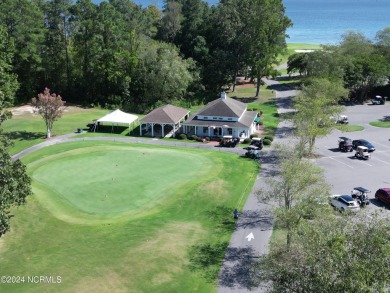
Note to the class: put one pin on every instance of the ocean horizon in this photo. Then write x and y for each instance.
(324, 21)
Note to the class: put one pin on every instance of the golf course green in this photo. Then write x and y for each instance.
(122, 217)
(104, 183)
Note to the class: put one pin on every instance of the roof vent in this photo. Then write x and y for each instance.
(223, 95)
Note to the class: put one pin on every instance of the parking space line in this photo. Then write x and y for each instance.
(341, 162)
(381, 144)
(375, 158)
(383, 152)
(365, 163)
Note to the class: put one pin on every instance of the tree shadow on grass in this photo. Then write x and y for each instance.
(24, 135)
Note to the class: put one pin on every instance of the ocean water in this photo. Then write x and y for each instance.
(325, 21)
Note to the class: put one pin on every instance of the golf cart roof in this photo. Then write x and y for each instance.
(251, 147)
(361, 189)
(343, 116)
(257, 138)
(362, 147)
(378, 97)
(344, 138)
(227, 136)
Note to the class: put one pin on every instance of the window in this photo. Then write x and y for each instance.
(230, 119)
(220, 118)
(205, 117)
(215, 118)
(230, 131)
(205, 130)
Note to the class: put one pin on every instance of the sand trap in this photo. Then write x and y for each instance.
(304, 51)
(28, 109)
(22, 110)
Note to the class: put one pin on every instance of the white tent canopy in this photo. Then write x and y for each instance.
(118, 117)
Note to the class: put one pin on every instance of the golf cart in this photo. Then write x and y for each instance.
(228, 141)
(362, 153)
(257, 142)
(345, 144)
(360, 194)
(378, 100)
(343, 119)
(252, 152)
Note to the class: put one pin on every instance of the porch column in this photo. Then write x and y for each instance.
(152, 129)
(140, 129)
(162, 130)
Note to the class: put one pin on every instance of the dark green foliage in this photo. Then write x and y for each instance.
(269, 137)
(267, 141)
(324, 250)
(182, 136)
(14, 181)
(247, 140)
(193, 137)
(253, 135)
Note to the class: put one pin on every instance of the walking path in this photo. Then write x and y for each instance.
(238, 269)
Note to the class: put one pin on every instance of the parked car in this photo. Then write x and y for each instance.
(383, 195)
(344, 203)
(378, 100)
(363, 142)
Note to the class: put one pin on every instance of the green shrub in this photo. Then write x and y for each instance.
(247, 140)
(260, 122)
(269, 137)
(267, 142)
(182, 136)
(207, 138)
(193, 137)
(254, 135)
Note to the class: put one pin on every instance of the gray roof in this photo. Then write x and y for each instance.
(224, 106)
(167, 114)
(245, 121)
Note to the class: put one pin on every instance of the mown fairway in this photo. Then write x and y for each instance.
(115, 217)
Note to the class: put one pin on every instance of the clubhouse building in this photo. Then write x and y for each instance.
(223, 116)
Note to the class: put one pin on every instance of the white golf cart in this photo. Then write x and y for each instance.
(362, 153)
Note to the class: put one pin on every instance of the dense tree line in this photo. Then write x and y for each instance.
(14, 181)
(362, 65)
(117, 53)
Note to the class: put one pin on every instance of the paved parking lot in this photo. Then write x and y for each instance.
(343, 170)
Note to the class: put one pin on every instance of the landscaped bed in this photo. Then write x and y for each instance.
(120, 217)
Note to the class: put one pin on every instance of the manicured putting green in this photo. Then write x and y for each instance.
(110, 182)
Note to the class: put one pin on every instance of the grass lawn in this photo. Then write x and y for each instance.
(28, 129)
(117, 217)
(352, 128)
(384, 124)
